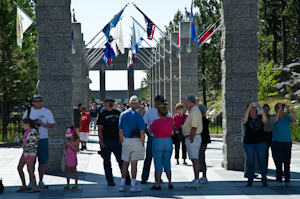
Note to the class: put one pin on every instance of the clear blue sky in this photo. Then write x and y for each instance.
(95, 14)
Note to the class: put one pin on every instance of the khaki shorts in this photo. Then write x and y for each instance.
(194, 147)
(84, 136)
(132, 150)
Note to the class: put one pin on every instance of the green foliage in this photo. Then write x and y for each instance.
(92, 97)
(145, 88)
(266, 79)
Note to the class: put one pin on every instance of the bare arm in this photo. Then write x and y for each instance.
(275, 119)
(142, 135)
(193, 133)
(264, 117)
(246, 115)
(294, 117)
(76, 147)
(121, 136)
(48, 126)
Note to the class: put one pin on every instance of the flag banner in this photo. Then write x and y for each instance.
(178, 30)
(102, 68)
(105, 60)
(206, 35)
(117, 44)
(149, 23)
(112, 23)
(193, 25)
(23, 23)
(130, 59)
(136, 38)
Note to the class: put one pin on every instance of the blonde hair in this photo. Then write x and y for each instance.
(178, 105)
(162, 109)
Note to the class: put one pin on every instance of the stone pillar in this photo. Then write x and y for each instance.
(161, 72)
(152, 83)
(55, 71)
(166, 72)
(188, 64)
(77, 66)
(102, 86)
(130, 79)
(156, 69)
(239, 54)
(174, 70)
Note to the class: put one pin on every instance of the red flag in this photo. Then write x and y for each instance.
(178, 30)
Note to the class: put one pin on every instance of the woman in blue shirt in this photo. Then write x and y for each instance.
(282, 141)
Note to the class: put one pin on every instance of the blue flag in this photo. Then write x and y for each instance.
(193, 26)
(112, 23)
(136, 38)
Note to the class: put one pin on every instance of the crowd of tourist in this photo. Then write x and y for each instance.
(124, 128)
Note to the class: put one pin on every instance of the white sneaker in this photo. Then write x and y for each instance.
(135, 189)
(278, 184)
(203, 180)
(122, 188)
(30, 186)
(192, 185)
(288, 184)
(42, 185)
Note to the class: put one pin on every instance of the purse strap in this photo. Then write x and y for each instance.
(127, 123)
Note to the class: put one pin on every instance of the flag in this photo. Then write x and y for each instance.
(130, 59)
(193, 26)
(136, 38)
(206, 35)
(112, 23)
(117, 44)
(102, 68)
(149, 23)
(178, 30)
(23, 23)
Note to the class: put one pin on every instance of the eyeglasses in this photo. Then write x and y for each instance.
(179, 107)
(37, 101)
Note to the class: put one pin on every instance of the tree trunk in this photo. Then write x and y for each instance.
(283, 34)
(203, 81)
(267, 31)
(275, 47)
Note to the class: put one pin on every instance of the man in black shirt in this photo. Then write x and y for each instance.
(108, 132)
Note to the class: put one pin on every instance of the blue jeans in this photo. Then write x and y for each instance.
(148, 160)
(282, 153)
(116, 148)
(259, 150)
(162, 152)
(93, 121)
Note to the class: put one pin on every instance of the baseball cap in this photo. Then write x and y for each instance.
(134, 100)
(159, 98)
(37, 96)
(109, 99)
(70, 130)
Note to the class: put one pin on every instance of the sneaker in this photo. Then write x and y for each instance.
(121, 188)
(192, 185)
(135, 189)
(288, 184)
(278, 184)
(264, 184)
(30, 186)
(155, 187)
(203, 180)
(42, 185)
(144, 182)
(249, 184)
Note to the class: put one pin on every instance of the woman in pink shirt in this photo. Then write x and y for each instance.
(162, 145)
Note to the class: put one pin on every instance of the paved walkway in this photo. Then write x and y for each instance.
(92, 183)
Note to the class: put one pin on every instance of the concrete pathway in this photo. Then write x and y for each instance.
(92, 182)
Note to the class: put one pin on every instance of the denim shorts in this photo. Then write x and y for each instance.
(162, 151)
(43, 151)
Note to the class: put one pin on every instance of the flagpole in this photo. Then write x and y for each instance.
(211, 34)
(177, 46)
(95, 53)
(104, 26)
(147, 65)
(92, 60)
(24, 12)
(141, 58)
(95, 44)
(97, 59)
(144, 55)
(95, 49)
(154, 49)
(149, 53)
(209, 27)
(153, 37)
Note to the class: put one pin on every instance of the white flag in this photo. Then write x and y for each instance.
(129, 60)
(23, 23)
(119, 41)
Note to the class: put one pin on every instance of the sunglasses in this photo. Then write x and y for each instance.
(109, 100)
(266, 108)
(179, 107)
(37, 101)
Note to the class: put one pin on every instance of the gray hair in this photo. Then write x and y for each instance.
(191, 99)
(202, 108)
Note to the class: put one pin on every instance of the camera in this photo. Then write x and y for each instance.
(283, 105)
(254, 103)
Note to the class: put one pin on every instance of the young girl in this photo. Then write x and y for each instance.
(30, 144)
(71, 147)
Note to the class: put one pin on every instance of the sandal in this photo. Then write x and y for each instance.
(66, 188)
(21, 189)
(33, 191)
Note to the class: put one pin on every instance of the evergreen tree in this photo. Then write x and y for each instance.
(18, 67)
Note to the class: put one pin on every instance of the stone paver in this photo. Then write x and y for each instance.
(92, 182)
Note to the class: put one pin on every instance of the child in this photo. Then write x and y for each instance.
(84, 129)
(30, 145)
(71, 147)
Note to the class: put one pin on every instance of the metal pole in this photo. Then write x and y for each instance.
(149, 53)
(95, 44)
(148, 66)
(154, 49)
(24, 12)
(91, 61)
(94, 62)
(95, 54)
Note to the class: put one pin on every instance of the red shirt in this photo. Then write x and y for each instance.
(85, 120)
(179, 120)
(162, 128)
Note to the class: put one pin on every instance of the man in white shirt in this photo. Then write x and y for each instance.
(44, 120)
(149, 117)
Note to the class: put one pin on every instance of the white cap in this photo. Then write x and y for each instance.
(134, 100)
(37, 96)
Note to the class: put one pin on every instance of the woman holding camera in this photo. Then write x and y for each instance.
(178, 120)
(254, 142)
(282, 142)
